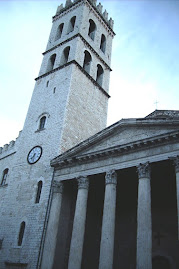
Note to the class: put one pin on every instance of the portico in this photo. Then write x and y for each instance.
(129, 197)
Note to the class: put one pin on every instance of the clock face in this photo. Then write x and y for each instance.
(34, 154)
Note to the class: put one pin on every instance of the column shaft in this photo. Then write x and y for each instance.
(144, 222)
(52, 228)
(76, 247)
(108, 223)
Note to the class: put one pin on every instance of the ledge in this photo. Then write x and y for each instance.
(84, 72)
(86, 43)
(120, 149)
(4, 185)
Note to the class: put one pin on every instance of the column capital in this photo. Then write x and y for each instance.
(144, 170)
(83, 182)
(57, 186)
(176, 163)
(111, 177)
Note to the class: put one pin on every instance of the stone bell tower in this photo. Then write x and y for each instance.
(68, 105)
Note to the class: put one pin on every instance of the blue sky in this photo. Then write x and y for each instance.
(145, 58)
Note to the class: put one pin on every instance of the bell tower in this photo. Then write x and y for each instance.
(68, 105)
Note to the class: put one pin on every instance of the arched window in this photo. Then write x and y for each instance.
(21, 233)
(87, 61)
(92, 29)
(65, 55)
(4, 176)
(103, 43)
(59, 31)
(99, 76)
(42, 123)
(39, 189)
(51, 62)
(71, 25)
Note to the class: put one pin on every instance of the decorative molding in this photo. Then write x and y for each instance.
(81, 68)
(57, 187)
(83, 182)
(111, 177)
(86, 43)
(114, 151)
(163, 114)
(144, 170)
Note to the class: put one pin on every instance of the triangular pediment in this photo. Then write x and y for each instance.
(125, 132)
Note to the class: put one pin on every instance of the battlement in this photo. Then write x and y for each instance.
(7, 148)
(98, 8)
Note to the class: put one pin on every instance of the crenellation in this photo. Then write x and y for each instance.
(105, 15)
(100, 8)
(111, 23)
(59, 9)
(68, 3)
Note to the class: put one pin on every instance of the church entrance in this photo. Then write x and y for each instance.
(160, 262)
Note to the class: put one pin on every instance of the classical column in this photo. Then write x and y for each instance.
(144, 222)
(108, 224)
(176, 163)
(76, 247)
(52, 227)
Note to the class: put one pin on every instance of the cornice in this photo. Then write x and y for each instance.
(92, 8)
(82, 70)
(118, 150)
(86, 43)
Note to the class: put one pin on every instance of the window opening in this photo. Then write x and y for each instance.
(99, 77)
(51, 63)
(42, 123)
(103, 43)
(65, 55)
(4, 177)
(21, 233)
(92, 29)
(47, 83)
(54, 89)
(87, 61)
(71, 24)
(39, 189)
(59, 31)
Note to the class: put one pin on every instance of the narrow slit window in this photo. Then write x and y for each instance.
(103, 43)
(47, 83)
(54, 89)
(42, 123)
(87, 61)
(59, 31)
(39, 190)
(92, 29)
(99, 76)
(4, 176)
(21, 233)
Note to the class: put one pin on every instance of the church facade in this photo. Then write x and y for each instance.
(75, 194)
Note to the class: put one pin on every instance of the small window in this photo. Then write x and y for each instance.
(65, 55)
(21, 233)
(39, 189)
(4, 177)
(87, 61)
(71, 24)
(54, 89)
(59, 31)
(42, 123)
(51, 63)
(47, 83)
(99, 76)
(103, 43)
(92, 29)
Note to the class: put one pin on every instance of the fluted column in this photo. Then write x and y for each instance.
(144, 222)
(108, 224)
(52, 227)
(176, 163)
(76, 247)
